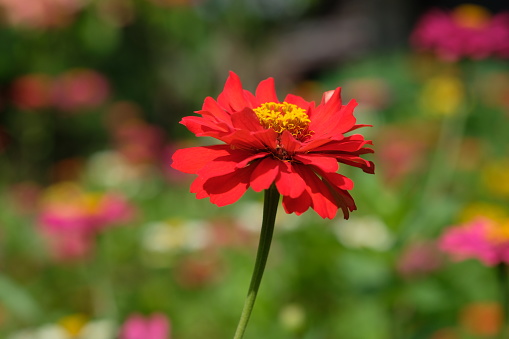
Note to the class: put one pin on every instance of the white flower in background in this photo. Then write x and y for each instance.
(71, 327)
(249, 216)
(364, 232)
(173, 236)
(109, 169)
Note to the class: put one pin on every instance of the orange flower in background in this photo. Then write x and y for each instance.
(293, 144)
(483, 319)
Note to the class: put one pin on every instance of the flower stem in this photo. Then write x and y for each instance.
(270, 205)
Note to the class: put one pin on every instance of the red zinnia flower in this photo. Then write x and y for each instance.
(293, 144)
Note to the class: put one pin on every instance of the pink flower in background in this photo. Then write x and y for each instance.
(482, 238)
(139, 142)
(70, 218)
(79, 89)
(469, 31)
(137, 326)
(40, 13)
(31, 91)
(403, 151)
(419, 258)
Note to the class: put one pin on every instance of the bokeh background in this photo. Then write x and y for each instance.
(101, 239)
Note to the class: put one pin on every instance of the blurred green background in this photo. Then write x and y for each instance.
(95, 226)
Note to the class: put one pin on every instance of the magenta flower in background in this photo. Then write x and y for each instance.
(79, 89)
(468, 31)
(137, 326)
(482, 238)
(70, 218)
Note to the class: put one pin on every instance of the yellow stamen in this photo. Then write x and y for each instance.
(283, 116)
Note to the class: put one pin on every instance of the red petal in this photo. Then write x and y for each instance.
(264, 174)
(312, 144)
(355, 161)
(246, 120)
(266, 91)
(343, 199)
(338, 180)
(299, 101)
(267, 137)
(331, 120)
(323, 201)
(228, 188)
(253, 157)
(191, 160)
(227, 163)
(325, 163)
(289, 143)
(251, 99)
(344, 145)
(297, 205)
(211, 107)
(203, 126)
(233, 94)
(289, 182)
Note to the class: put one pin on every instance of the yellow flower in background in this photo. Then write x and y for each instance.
(442, 95)
(483, 209)
(495, 177)
(471, 16)
(73, 324)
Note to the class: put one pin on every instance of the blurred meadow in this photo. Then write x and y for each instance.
(101, 239)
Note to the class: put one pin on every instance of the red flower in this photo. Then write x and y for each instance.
(292, 143)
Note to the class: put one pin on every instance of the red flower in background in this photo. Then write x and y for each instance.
(291, 143)
(32, 91)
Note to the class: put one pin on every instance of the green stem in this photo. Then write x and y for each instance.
(269, 217)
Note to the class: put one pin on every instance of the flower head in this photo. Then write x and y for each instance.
(137, 326)
(293, 144)
(469, 31)
(70, 218)
(484, 239)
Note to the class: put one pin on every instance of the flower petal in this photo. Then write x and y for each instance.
(266, 91)
(232, 95)
(264, 174)
(204, 127)
(227, 189)
(297, 205)
(325, 163)
(299, 101)
(191, 160)
(289, 182)
(331, 120)
(227, 163)
(323, 201)
(246, 120)
(211, 107)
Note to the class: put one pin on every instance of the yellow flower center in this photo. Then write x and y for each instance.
(283, 116)
(471, 16)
